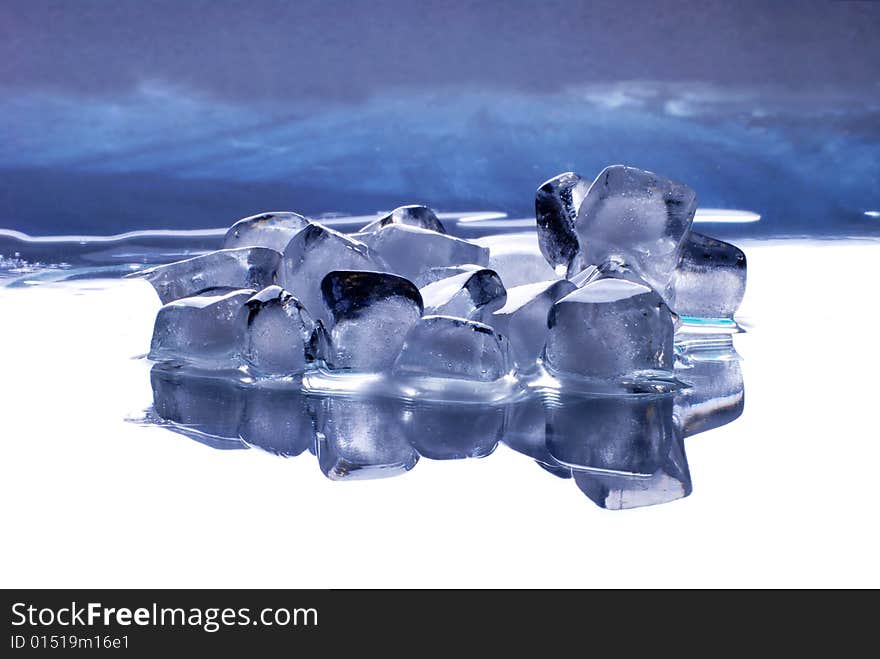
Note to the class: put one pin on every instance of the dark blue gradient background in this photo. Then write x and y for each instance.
(135, 114)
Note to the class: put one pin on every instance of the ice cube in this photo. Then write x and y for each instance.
(636, 218)
(361, 438)
(206, 409)
(624, 451)
(610, 328)
(273, 230)
(311, 254)
(412, 215)
(280, 337)
(246, 267)
(716, 395)
(453, 432)
(205, 329)
(710, 279)
(278, 421)
(556, 208)
(473, 295)
(517, 258)
(436, 274)
(523, 319)
(371, 314)
(446, 347)
(409, 251)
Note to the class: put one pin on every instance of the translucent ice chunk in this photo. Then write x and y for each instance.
(413, 215)
(273, 230)
(371, 314)
(205, 329)
(436, 274)
(637, 218)
(556, 207)
(716, 395)
(517, 258)
(608, 329)
(311, 254)
(208, 410)
(279, 422)
(523, 319)
(362, 438)
(280, 338)
(445, 347)
(409, 251)
(444, 432)
(246, 267)
(710, 279)
(473, 295)
(624, 451)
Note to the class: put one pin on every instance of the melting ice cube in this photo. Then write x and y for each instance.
(273, 230)
(556, 207)
(473, 295)
(710, 279)
(371, 313)
(205, 329)
(517, 258)
(446, 347)
(246, 267)
(409, 251)
(436, 274)
(280, 336)
(608, 329)
(412, 215)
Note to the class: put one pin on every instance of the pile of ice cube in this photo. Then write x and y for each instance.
(600, 296)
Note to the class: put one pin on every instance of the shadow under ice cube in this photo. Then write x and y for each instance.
(609, 329)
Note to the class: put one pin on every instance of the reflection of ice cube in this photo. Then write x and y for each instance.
(280, 422)
(517, 258)
(624, 451)
(413, 215)
(280, 334)
(610, 328)
(523, 319)
(272, 230)
(445, 347)
(362, 438)
(710, 279)
(556, 207)
(311, 254)
(371, 315)
(208, 410)
(473, 295)
(637, 218)
(247, 267)
(525, 432)
(206, 329)
(716, 395)
(410, 251)
(444, 432)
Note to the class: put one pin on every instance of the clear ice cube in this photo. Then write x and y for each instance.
(273, 230)
(446, 347)
(205, 329)
(280, 336)
(608, 329)
(710, 279)
(412, 215)
(523, 319)
(246, 267)
(371, 313)
(311, 254)
(362, 438)
(517, 258)
(556, 208)
(409, 251)
(436, 274)
(637, 218)
(473, 295)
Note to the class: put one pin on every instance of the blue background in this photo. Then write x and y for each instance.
(124, 115)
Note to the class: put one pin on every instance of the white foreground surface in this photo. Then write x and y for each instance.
(785, 496)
